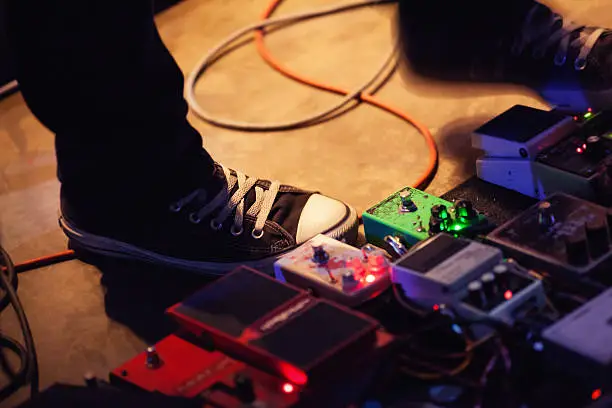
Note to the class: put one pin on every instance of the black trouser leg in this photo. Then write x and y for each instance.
(451, 32)
(97, 74)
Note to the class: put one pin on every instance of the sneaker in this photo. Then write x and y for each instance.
(236, 220)
(568, 64)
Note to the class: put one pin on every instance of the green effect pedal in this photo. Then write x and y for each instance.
(413, 216)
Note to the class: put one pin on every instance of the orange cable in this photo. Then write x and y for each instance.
(44, 261)
(264, 52)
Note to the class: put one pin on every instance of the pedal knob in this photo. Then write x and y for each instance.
(440, 212)
(244, 388)
(488, 284)
(349, 281)
(435, 226)
(319, 255)
(594, 147)
(546, 218)
(475, 293)
(597, 236)
(407, 204)
(576, 248)
(465, 209)
(152, 361)
(358, 270)
(501, 276)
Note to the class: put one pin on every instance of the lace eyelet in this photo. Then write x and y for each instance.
(215, 225)
(236, 231)
(257, 234)
(193, 217)
(560, 60)
(175, 207)
(580, 64)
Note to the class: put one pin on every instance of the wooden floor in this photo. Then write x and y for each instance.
(82, 324)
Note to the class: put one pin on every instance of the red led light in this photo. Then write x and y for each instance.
(590, 110)
(370, 278)
(578, 150)
(575, 117)
(508, 295)
(596, 394)
(288, 388)
(584, 146)
(358, 268)
(436, 307)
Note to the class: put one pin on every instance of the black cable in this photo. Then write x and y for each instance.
(17, 377)
(11, 275)
(28, 371)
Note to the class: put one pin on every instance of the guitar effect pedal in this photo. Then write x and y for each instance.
(562, 234)
(336, 271)
(471, 277)
(413, 215)
(538, 153)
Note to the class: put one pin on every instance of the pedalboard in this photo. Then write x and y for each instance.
(413, 215)
(470, 276)
(336, 271)
(261, 321)
(538, 153)
(562, 234)
(579, 343)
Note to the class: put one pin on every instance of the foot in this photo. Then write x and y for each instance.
(236, 220)
(569, 64)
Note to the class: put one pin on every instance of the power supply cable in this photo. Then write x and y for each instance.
(218, 51)
(28, 367)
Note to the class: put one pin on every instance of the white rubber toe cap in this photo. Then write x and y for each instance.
(320, 214)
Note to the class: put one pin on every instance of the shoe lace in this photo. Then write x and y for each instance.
(544, 34)
(228, 203)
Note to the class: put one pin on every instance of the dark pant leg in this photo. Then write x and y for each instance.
(441, 37)
(97, 74)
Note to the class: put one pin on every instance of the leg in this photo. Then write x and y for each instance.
(98, 75)
(136, 182)
(520, 41)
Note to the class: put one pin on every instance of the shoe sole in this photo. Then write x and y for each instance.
(345, 230)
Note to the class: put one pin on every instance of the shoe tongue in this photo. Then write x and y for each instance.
(287, 206)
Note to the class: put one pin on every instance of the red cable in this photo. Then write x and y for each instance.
(427, 175)
(43, 261)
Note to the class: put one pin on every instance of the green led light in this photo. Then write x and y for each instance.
(588, 115)
(458, 227)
